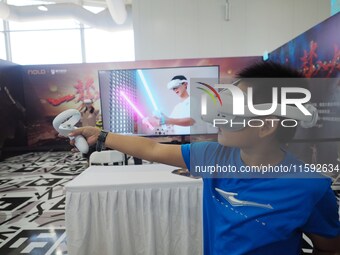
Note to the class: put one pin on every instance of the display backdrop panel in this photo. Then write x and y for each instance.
(51, 89)
(316, 53)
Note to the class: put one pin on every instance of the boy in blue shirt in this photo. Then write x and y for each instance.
(255, 216)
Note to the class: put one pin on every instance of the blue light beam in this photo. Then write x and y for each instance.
(141, 75)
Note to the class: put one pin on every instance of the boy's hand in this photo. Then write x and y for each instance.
(90, 134)
(154, 121)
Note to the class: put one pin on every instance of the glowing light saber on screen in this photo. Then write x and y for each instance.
(136, 110)
(145, 84)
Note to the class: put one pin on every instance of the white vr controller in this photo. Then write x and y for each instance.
(65, 123)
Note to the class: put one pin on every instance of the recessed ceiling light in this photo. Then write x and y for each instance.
(43, 8)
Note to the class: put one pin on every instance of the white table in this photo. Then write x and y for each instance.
(125, 210)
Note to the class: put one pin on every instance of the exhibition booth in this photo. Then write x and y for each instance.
(129, 209)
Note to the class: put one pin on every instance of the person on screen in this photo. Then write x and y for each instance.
(89, 114)
(248, 215)
(179, 119)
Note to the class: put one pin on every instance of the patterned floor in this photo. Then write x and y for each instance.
(32, 202)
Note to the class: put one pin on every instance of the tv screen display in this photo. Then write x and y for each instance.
(138, 101)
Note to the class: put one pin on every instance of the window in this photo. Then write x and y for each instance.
(60, 41)
(2, 46)
(43, 25)
(46, 47)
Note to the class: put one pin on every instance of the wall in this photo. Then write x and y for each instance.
(197, 28)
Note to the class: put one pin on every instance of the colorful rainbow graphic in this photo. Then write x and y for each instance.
(212, 95)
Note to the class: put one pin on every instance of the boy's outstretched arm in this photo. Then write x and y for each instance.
(139, 147)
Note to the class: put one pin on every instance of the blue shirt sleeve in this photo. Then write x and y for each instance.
(185, 148)
(324, 219)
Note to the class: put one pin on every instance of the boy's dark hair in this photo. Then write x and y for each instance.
(179, 77)
(262, 88)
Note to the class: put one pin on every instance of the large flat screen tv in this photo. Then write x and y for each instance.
(132, 99)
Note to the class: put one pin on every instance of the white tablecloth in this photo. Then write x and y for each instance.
(126, 210)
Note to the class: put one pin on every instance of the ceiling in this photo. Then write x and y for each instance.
(115, 16)
(99, 3)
